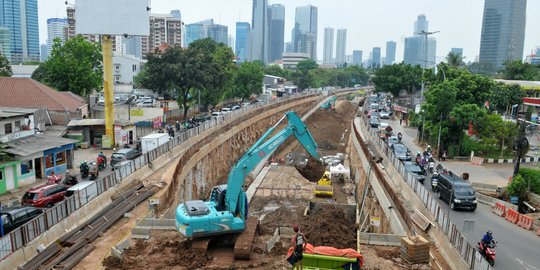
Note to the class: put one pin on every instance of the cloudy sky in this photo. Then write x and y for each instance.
(369, 23)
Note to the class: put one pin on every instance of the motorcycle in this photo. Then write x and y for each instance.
(54, 179)
(488, 251)
(102, 162)
(70, 180)
(93, 170)
(434, 181)
(85, 169)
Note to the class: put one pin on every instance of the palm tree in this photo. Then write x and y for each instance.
(455, 59)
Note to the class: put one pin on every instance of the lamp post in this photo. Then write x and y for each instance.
(425, 34)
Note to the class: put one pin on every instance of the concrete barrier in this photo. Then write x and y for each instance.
(486, 187)
(380, 239)
(156, 224)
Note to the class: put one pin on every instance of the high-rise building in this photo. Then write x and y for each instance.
(503, 31)
(390, 53)
(341, 46)
(243, 32)
(194, 32)
(357, 57)
(176, 13)
(231, 42)
(133, 46)
(21, 18)
(289, 47)
(376, 57)
(415, 46)
(305, 31)
(259, 31)
(43, 52)
(328, 48)
(219, 33)
(457, 51)
(55, 29)
(276, 26)
(164, 28)
(5, 46)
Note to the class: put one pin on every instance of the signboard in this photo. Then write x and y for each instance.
(157, 122)
(136, 112)
(117, 18)
(106, 142)
(375, 221)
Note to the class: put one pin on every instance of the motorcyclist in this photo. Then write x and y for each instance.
(486, 240)
(101, 160)
(177, 125)
(399, 136)
(84, 168)
(70, 179)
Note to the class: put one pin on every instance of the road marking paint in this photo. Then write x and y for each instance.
(525, 265)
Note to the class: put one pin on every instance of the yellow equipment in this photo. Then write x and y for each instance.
(324, 186)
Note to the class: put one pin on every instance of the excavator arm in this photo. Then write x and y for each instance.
(261, 150)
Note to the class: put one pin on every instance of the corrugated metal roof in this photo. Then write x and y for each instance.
(6, 112)
(96, 122)
(35, 144)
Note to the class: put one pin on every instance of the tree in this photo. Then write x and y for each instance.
(397, 77)
(248, 80)
(75, 66)
(5, 68)
(504, 96)
(303, 76)
(517, 70)
(486, 69)
(4, 156)
(455, 59)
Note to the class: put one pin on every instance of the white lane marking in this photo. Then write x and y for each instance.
(525, 265)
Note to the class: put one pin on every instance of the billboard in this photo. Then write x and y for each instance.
(113, 17)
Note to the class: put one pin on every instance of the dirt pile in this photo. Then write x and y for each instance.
(112, 262)
(345, 108)
(329, 227)
(313, 171)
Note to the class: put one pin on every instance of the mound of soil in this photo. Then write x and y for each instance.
(329, 227)
(344, 107)
(313, 171)
(112, 262)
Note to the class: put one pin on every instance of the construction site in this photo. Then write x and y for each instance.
(137, 230)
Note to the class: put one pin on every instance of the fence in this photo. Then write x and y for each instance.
(466, 250)
(23, 235)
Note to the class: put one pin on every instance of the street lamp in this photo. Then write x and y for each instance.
(425, 34)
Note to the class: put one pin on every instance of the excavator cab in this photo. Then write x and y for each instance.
(218, 197)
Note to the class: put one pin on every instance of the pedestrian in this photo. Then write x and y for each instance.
(444, 155)
(399, 137)
(299, 243)
(400, 120)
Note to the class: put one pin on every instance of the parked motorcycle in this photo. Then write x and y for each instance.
(488, 251)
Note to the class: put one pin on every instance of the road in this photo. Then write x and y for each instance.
(517, 248)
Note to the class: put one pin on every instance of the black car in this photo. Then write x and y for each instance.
(17, 216)
(455, 191)
(418, 172)
(374, 121)
(401, 152)
(124, 154)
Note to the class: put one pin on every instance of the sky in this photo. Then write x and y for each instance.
(369, 23)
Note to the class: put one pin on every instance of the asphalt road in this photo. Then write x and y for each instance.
(517, 248)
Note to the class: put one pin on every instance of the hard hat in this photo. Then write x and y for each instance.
(296, 228)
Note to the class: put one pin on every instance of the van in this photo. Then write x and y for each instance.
(124, 154)
(87, 191)
(455, 191)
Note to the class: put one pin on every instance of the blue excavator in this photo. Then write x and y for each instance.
(227, 210)
(330, 104)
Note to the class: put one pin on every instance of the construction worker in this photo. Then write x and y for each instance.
(299, 243)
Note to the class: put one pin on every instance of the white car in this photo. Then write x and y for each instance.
(146, 103)
(101, 101)
(384, 115)
(226, 110)
(245, 104)
(217, 115)
(383, 125)
(235, 107)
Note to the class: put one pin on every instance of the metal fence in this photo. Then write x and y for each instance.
(467, 250)
(23, 235)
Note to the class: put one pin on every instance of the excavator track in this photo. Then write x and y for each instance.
(244, 242)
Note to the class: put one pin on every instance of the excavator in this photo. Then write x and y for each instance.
(226, 212)
(330, 104)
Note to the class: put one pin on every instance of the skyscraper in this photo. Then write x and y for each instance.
(219, 33)
(43, 52)
(305, 31)
(5, 46)
(21, 18)
(414, 53)
(503, 31)
(390, 53)
(259, 31)
(376, 57)
(276, 25)
(328, 49)
(55, 29)
(231, 42)
(243, 32)
(194, 32)
(133, 46)
(357, 57)
(341, 46)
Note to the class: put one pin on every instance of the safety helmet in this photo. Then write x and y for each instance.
(296, 228)
(489, 233)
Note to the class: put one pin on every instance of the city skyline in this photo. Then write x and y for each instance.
(464, 33)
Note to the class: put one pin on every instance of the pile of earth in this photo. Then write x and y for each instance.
(313, 170)
(329, 226)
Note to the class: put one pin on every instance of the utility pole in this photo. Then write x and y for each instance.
(425, 34)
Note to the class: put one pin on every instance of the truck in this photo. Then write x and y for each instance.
(226, 211)
(153, 141)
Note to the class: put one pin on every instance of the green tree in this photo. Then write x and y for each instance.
(5, 68)
(75, 66)
(303, 76)
(4, 156)
(486, 69)
(248, 80)
(276, 70)
(518, 186)
(455, 59)
(517, 70)
(397, 77)
(504, 96)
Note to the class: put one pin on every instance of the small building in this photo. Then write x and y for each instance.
(533, 95)
(126, 68)
(291, 60)
(23, 71)
(89, 132)
(31, 94)
(29, 155)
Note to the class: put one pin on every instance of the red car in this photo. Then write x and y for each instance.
(45, 195)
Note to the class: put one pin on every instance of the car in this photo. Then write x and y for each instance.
(382, 107)
(101, 101)
(217, 115)
(383, 126)
(15, 217)
(124, 154)
(245, 104)
(384, 115)
(455, 191)
(235, 107)
(375, 113)
(373, 106)
(401, 152)
(201, 118)
(392, 140)
(226, 110)
(418, 172)
(146, 103)
(44, 195)
(374, 121)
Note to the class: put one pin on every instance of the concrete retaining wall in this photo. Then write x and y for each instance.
(380, 239)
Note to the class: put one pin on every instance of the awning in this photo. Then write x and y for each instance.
(35, 144)
(339, 169)
(531, 101)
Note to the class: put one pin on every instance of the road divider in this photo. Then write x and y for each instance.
(499, 209)
(525, 222)
(512, 215)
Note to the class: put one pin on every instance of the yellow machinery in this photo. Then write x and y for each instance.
(324, 186)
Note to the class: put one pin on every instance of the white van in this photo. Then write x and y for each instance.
(217, 115)
(87, 191)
